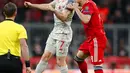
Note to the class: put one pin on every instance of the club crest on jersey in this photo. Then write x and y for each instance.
(86, 8)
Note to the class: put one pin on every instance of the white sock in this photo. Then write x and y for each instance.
(63, 69)
(41, 67)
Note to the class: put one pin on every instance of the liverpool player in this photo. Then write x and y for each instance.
(60, 38)
(95, 42)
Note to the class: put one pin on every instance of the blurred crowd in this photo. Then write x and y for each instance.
(112, 12)
(26, 15)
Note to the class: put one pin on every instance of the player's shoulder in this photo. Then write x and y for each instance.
(18, 25)
(21, 26)
(1, 21)
(91, 3)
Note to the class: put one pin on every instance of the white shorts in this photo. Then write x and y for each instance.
(57, 46)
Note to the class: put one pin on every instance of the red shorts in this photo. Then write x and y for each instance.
(95, 49)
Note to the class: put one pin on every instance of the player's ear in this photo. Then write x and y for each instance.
(15, 13)
(4, 13)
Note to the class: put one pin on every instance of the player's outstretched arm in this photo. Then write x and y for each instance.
(39, 6)
(62, 15)
(83, 17)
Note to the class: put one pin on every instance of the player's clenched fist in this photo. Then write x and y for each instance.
(39, 6)
(27, 4)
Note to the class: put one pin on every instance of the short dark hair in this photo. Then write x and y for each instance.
(9, 9)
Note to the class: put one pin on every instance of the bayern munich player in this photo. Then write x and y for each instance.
(95, 42)
(60, 37)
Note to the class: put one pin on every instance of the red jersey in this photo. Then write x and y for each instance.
(95, 43)
(94, 28)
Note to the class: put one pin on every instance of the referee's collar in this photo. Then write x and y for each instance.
(9, 20)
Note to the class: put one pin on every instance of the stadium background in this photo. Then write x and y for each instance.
(116, 16)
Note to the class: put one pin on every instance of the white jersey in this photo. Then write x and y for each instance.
(62, 30)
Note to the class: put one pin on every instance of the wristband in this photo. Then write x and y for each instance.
(27, 63)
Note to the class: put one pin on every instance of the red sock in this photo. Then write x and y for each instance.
(98, 71)
(83, 66)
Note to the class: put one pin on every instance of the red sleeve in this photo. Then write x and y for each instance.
(88, 9)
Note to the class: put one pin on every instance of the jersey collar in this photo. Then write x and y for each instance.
(9, 20)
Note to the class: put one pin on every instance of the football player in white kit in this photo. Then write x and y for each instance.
(60, 38)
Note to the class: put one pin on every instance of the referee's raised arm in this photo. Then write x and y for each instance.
(13, 43)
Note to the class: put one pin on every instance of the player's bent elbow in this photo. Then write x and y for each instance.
(85, 21)
(86, 18)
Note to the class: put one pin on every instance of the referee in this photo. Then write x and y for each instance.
(12, 43)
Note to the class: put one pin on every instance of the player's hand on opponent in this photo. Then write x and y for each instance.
(28, 70)
(75, 6)
(27, 4)
(70, 6)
